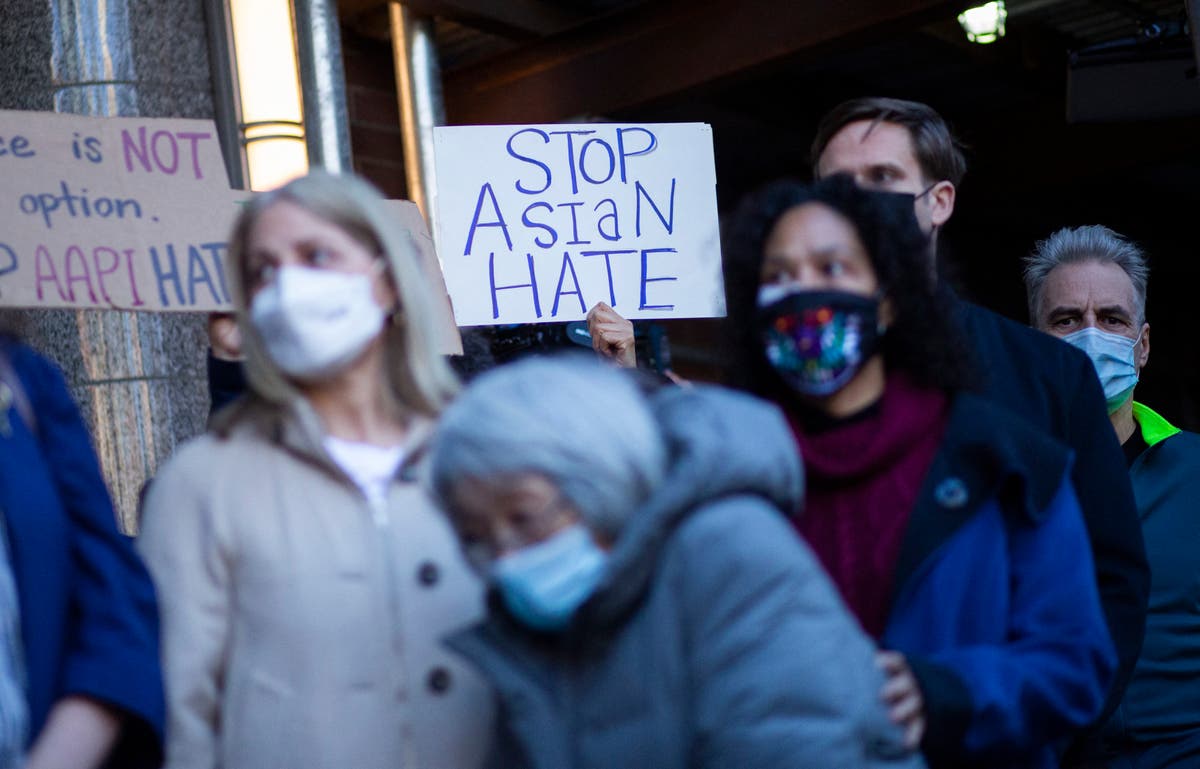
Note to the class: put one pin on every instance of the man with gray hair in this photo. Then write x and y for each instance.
(1087, 286)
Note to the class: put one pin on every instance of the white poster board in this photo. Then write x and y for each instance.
(538, 223)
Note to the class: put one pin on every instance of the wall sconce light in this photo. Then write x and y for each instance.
(985, 23)
(269, 110)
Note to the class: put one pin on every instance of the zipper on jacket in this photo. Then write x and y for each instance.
(383, 525)
(379, 513)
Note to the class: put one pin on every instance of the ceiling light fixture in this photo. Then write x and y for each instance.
(268, 84)
(984, 23)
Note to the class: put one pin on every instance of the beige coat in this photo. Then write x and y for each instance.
(301, 627)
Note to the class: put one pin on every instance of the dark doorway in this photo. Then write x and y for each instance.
(763, 71)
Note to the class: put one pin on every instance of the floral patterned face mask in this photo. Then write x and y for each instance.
(817, 340)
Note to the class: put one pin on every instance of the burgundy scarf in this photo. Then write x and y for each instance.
(863, 477)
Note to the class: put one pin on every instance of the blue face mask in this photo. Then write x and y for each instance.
(543, 584)
(1112, 355)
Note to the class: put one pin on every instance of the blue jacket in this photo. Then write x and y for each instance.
(89, 623)
(1162, 703)
(996, 604)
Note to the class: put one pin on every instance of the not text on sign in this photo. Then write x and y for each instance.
(111, 212)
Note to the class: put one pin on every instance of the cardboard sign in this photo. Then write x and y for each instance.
(128, 213)
(539, 223)
(133, 214)
(449, 342)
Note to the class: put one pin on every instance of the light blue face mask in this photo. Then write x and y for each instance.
(1112, 355)
(543, 584)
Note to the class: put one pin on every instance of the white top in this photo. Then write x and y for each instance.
(371, 467)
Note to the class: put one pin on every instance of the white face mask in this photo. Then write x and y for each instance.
(1113, 357)
(314, 323)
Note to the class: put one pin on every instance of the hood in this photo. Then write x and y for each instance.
(720, 443)
(723, 442)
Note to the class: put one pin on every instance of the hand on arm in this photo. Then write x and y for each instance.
(902, 695)
(79, 733)
(224, 336)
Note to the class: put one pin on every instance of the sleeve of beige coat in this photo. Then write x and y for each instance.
(185, 547)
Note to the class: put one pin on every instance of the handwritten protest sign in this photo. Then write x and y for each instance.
(134, 214)
(539, 223)
(112, 212)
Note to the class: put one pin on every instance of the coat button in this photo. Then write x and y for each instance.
(438, 680)
(428, 574)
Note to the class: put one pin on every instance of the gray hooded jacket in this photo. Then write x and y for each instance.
(715, 639)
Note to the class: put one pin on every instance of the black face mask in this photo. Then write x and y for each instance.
(818, 340)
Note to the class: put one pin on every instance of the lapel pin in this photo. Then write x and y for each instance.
(951, 493)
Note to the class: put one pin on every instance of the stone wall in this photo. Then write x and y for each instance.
(139, 378)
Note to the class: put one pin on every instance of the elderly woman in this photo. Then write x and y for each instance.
(650, 607)
(304, 576)
(950, 529)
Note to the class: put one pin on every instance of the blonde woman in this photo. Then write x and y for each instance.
(306, 581)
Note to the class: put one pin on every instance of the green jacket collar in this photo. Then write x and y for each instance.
(1154, 428)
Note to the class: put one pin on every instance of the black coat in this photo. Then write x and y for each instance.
(1054, 386)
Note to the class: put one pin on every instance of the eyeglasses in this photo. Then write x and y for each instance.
(508, 531)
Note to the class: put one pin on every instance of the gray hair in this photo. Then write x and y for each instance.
(579, 423)
(418, 376)
(1093, 243)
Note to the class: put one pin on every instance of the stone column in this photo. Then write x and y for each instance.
(323, 85)
(419, 91)
(139, 378)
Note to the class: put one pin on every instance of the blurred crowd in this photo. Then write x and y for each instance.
(903, 532)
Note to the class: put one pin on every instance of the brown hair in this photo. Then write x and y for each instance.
(938, 152)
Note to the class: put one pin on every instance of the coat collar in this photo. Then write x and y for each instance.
(1154, 428)
(987, 453)
(296, 427)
